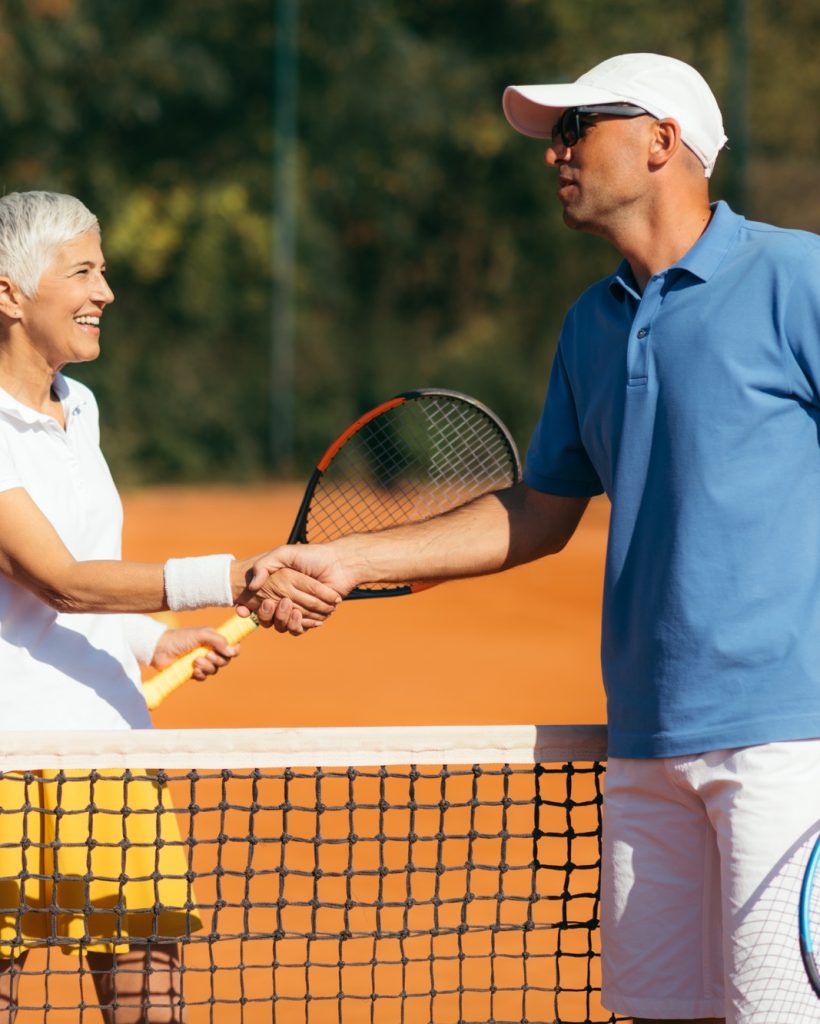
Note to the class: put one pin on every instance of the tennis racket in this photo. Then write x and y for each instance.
(809, 918)
(411, 458)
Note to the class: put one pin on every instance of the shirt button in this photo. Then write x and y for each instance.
(642, 333)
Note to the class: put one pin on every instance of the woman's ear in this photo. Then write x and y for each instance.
(10, 296)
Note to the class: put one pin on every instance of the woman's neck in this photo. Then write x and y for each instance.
(29, 379)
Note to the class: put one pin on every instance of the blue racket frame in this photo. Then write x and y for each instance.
(804, 922)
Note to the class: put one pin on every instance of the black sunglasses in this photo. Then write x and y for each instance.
(574, 122)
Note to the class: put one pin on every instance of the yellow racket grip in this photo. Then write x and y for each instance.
(169, 679)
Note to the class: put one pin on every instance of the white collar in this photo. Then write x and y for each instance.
(66, 391)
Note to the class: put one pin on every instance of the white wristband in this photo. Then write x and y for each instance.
(198, 582)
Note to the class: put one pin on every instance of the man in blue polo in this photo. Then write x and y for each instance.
(687, 387)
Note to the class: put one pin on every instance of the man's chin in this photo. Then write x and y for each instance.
(572, 220)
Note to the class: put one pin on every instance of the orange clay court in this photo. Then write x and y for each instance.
(520, 647)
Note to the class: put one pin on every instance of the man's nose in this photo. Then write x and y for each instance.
(556, 153)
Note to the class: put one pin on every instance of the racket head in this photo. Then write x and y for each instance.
(809, 918)
(416, 456)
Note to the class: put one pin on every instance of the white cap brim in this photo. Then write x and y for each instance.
(533, 109)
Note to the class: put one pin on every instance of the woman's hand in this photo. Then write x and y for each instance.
(173, 643)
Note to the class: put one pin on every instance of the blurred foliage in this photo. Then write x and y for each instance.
(430, 248)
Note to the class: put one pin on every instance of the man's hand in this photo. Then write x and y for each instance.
(293, 584)
(287, 595)
(173, 643)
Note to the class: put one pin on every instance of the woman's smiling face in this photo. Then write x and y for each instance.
(62, 321)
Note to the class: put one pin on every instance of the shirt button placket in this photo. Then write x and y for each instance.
(637, 355)
(638, 352)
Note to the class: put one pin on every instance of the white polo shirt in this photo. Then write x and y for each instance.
(57, 670)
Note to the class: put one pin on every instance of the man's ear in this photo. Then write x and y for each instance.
(664, 143)
(10, 296)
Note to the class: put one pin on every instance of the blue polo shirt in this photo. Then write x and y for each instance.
(696, 407)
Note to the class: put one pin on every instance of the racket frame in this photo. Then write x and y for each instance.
(804, 919)
(298, 533)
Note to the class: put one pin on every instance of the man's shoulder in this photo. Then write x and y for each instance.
(783, 242)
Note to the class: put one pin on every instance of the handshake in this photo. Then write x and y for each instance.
(296, 587)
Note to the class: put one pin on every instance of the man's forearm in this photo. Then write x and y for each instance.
(469, 541)
(490, 534)
(493, 533)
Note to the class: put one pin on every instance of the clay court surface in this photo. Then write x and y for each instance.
(514, 648)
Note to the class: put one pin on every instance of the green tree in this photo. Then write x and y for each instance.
(430, 248)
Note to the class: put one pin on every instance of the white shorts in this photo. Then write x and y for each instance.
(703, 858)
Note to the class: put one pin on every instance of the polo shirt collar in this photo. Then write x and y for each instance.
(12, 409)
(701, 261)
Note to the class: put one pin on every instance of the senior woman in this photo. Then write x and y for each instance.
(70, 630)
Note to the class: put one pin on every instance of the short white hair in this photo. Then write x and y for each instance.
(33, 228)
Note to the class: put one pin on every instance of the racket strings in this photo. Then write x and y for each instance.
(412, 462)
(384, 476)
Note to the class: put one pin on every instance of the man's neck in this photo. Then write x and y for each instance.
(651, 244)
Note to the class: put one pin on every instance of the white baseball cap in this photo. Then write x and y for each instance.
(662, 86)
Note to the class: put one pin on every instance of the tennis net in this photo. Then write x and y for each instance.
(437, 875)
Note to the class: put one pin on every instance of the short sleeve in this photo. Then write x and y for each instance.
(802, 327)
(9, 476)
(142, 634)
(557, 462)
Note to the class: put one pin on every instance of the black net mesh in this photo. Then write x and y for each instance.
(388, 894)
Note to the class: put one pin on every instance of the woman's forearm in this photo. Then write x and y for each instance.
(112, 586)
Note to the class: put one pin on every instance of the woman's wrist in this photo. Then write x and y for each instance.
(203, 582)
